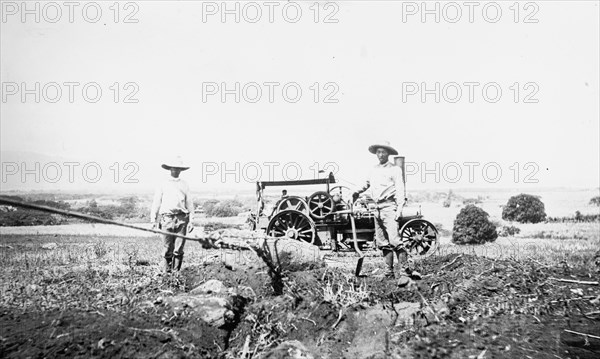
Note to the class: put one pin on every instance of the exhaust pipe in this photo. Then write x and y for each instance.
(399, 161)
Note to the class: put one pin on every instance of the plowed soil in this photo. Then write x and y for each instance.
(465, 306)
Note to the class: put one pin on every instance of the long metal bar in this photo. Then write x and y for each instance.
(330, 179)
(13, 202)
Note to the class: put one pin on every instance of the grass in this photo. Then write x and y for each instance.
(118, 266)
(106, 274)
(85, 271)
(550, 243)
(343, 292)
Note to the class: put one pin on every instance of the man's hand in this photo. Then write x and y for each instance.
(189, 229)
(154, 225)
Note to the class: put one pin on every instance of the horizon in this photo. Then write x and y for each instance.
(538, 119)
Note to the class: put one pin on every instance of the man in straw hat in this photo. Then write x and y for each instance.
(384, 184)
(172, 209)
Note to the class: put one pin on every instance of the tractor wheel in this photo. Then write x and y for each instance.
(419, 237)
(293, 202)
(292, 224)
(320, 205)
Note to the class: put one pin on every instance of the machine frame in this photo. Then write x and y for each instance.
(330, 222)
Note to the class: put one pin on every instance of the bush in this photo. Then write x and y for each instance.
(442, 231)
(30, 217)
(471, 201)
(215, 226)
(595, 201)
(508, 231)
(27, 217)
(208, 206)
(55, 204)
(226, 208)
(578, 217)
(448, 201)
(472, 226)
(524, 208)
(127, 209)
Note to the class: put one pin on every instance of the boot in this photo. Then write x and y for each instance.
(413, 274)
(177, 263)
(403, 281)
(401, 256)
(388, 258)
(168, 264)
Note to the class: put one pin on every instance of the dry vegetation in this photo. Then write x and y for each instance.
(103, 296)
(88, 292)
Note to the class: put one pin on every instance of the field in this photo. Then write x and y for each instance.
(96, 291)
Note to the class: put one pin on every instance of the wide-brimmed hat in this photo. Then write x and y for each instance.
(383, 144)
(176, 162)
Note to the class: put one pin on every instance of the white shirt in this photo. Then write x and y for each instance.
(171, 197)
(383, 181)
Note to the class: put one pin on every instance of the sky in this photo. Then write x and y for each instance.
(376, 65)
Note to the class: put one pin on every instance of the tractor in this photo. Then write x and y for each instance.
(330, 219)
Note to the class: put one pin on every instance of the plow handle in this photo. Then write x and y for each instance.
(87, 217)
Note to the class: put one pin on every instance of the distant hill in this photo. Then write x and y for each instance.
(30, 171)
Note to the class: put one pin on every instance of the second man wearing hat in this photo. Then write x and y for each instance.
(384, 184)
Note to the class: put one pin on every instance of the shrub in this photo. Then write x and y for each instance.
(595, 201)
(55, 204)
(448, 200)
(215, 226)
(442, 231)
(472, 226)
(508, 231)
(524, 208)
(208, 206)
(127, 209)
(99, 211)
(471, 201)
(226, 208)
(578, 217)
(27, 217)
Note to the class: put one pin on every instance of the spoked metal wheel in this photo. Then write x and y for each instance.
(292, 224)
(293, 202)
(419, 236)
(320, 205)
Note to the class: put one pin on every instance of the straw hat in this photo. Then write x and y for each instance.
(383, 144)
(176, 162)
